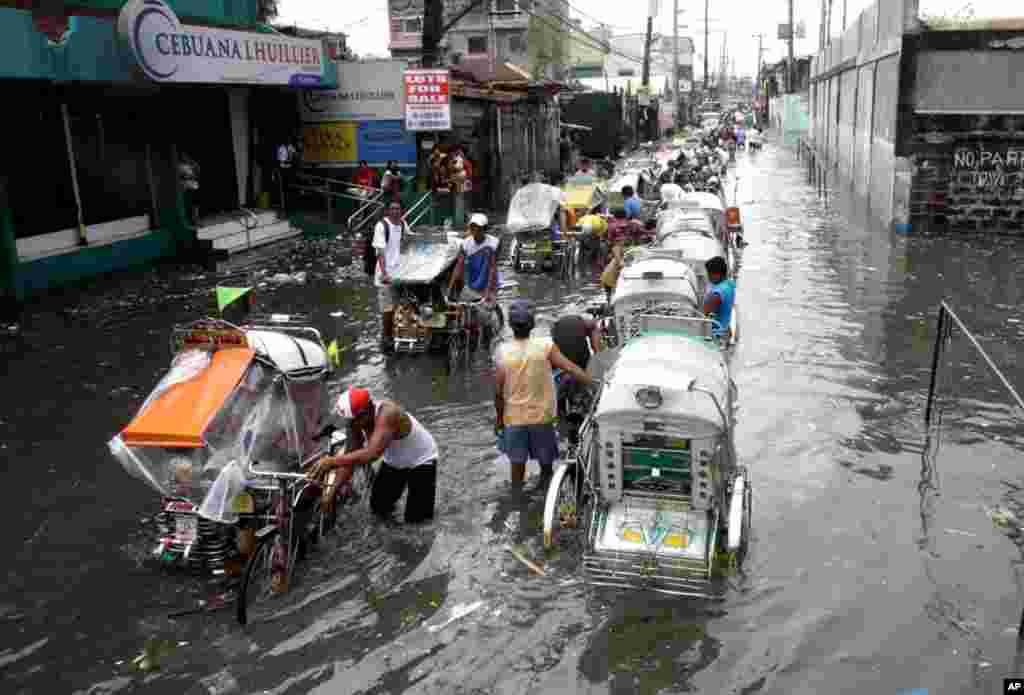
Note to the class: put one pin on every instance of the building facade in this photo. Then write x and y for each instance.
(530, 34)
(109, 102)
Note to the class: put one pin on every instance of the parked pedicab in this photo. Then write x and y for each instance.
(224, 438)
(655, 492)
(694, 248)
(542, 241)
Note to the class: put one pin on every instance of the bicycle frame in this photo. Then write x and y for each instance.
(285, 498)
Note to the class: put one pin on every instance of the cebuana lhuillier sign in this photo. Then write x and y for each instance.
(166, 50)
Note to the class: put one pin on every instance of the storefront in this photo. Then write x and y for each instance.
(361, 120)
(105, 114)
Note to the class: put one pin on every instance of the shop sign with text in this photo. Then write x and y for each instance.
(329, 143)
(370, 91)
(166, 50)
(427, 100)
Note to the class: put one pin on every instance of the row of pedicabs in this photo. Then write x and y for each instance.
(653, 489)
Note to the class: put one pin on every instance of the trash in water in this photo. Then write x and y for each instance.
(458, 612)
(526, 561)
(1002, 517)
(153, 651)
(960, 533)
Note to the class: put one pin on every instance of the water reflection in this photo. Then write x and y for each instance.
(648, 644)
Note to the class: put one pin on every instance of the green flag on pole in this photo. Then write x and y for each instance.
(227, 295)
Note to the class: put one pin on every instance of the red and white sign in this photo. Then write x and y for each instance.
(427, 100)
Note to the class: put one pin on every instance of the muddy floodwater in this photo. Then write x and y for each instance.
(884, 558)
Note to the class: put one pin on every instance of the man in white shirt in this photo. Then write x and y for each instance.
(387, 242)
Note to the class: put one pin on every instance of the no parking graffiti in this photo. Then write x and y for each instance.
(989, 167)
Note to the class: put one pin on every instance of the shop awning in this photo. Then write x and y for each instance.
(178, 418)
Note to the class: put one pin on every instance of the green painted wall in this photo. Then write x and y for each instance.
(64, 269)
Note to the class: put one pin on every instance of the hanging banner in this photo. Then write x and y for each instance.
(166, 50)
(329, 143)
(427, 101)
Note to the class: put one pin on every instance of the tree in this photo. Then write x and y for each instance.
(266, 10)
(548, 43)
(434, 26)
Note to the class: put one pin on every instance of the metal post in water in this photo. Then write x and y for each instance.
(936, 353)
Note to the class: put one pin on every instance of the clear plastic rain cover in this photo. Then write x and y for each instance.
(265, 419)
(423, 261)
(533, 207)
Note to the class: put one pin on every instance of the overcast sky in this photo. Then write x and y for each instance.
(735, 21)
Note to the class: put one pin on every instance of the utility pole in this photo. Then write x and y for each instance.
(647, 52)
(844, 16)
(675, 61)
(789, 67)
(760, 52)
(706, 2)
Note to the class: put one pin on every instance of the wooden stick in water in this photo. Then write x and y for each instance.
(526, 561)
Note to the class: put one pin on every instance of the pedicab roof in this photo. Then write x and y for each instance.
(693, 220)
(668, 363)
(178, 417)
(532, 207)
(582, 192)
(661, 278)
(691, 246)
(288, 353)
(703, 199)
(671, 192)
(424, 261)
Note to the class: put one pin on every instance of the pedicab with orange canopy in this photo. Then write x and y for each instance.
(223, 440)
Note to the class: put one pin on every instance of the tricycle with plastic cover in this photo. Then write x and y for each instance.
(236, 405)
(655, 493)
(425, 317)
(540, 241)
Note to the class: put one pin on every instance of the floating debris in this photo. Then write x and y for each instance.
(152, 653)
(458, 612)
(526, 561)
(1002, 517)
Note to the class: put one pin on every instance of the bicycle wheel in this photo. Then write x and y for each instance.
(257, 580)
(456, 350)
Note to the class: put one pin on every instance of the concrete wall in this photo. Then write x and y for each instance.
(964, 131)
(855, 97)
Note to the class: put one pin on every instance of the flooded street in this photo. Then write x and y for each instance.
(875, 564)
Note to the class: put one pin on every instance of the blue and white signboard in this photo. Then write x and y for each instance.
(380, 141)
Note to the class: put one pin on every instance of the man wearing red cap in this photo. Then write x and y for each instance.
(410, 455)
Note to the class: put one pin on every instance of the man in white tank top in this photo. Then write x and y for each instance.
(410, 455)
